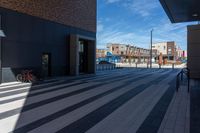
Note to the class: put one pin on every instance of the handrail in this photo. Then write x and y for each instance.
(185, 71)
(177, 81)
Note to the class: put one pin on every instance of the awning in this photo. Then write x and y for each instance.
(182, 10)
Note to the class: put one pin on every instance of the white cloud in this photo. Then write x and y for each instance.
(114, 34)
(167, 31)
(112, 1)
(100, 26)
(119, 32)
(142, 7)
(164, 31)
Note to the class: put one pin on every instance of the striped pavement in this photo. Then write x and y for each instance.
(116, 101)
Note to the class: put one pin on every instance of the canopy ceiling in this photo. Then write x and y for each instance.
(182, 10)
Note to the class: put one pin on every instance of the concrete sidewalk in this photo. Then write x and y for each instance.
(125, 100)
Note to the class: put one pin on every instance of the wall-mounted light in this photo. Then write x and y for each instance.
(195, 15)
(2, 34)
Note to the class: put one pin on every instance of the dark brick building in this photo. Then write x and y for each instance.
(52, 38)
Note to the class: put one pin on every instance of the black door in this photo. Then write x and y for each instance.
(82, 56)
(46, 64)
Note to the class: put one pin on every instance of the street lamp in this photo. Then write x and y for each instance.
(151, 49)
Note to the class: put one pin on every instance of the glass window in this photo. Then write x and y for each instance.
(81, 49)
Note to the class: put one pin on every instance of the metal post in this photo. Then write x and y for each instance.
(188, 74)
(188, 84)
(151, 49)
(177, 82)
(182, 75)
(172, 65)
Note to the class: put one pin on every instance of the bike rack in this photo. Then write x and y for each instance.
(185, 71)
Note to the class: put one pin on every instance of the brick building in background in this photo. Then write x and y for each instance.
(52, 38)
(129, 53)
(169, 50)
(101, 53)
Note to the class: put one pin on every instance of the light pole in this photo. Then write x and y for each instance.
(151, 49)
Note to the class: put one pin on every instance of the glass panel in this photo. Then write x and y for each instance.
(81, 46)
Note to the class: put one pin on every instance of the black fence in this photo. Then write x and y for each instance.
(179, 78)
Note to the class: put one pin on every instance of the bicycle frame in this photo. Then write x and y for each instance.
(26, 76)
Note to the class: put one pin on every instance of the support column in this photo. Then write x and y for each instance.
(74, 55)
(193, 62)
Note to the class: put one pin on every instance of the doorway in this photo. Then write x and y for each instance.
(83, 56)
(46, 65)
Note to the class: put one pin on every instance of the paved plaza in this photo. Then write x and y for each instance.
(113, 101)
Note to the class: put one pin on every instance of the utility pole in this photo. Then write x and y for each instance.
(151, 49)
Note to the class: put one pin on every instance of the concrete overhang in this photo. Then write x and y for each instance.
(182, 10)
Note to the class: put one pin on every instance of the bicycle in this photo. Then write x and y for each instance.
(26, 76)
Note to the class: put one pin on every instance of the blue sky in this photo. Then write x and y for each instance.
(130, 22)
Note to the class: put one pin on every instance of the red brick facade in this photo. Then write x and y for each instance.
(171, 49)
(76, 13)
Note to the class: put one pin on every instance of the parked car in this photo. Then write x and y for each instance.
(105, 62)
(184, 61)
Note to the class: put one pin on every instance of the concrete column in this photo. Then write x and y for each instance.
(74, 55)
(194, 50)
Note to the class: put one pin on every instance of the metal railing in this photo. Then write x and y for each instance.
(102, 67)
(147, 65)
(186, 72)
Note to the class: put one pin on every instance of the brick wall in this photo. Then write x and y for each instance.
(171, 45)
(76, 13)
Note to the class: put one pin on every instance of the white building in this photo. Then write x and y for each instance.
(168, 49)
(160, 47)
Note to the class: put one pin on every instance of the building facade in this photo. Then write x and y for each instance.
(101, 53)
(184, 55)
(160, 47)
(129, 53)
(52, 38)
(117, 49)
(168, 50)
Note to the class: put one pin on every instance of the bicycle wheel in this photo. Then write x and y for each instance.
(19, 78)
(33, 79)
